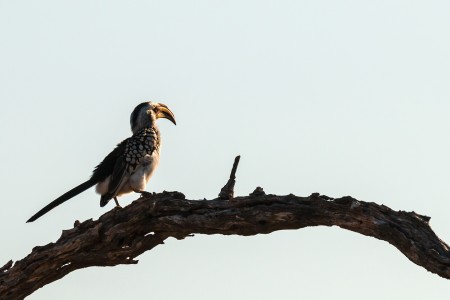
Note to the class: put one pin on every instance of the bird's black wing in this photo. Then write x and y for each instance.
(118, 177)
(113, 165)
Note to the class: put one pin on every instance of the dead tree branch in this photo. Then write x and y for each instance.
(122, 234)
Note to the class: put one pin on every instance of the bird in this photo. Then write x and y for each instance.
(130, 165)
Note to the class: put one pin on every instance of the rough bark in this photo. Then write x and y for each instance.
(122, 234)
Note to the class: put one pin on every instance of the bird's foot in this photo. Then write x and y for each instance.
(145, 194)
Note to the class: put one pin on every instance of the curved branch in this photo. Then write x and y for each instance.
(122, 234)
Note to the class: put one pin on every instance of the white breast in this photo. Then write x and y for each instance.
(139, 179)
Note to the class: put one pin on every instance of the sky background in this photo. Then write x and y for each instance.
(336, 97)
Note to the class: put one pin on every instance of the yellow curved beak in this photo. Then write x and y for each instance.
(166, 113)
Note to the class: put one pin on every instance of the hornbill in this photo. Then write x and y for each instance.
(130, 165)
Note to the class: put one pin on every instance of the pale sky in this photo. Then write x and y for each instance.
(336, 97)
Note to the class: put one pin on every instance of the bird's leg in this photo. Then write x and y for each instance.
(117, 202)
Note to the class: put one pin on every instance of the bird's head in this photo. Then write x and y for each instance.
(146, 113)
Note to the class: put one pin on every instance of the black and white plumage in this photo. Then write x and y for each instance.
(130, 165)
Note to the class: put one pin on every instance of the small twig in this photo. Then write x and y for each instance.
(227, 192)
(235, 165)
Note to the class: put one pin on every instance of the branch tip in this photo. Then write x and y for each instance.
(6, 267)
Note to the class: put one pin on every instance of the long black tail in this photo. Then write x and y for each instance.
(63, 198)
